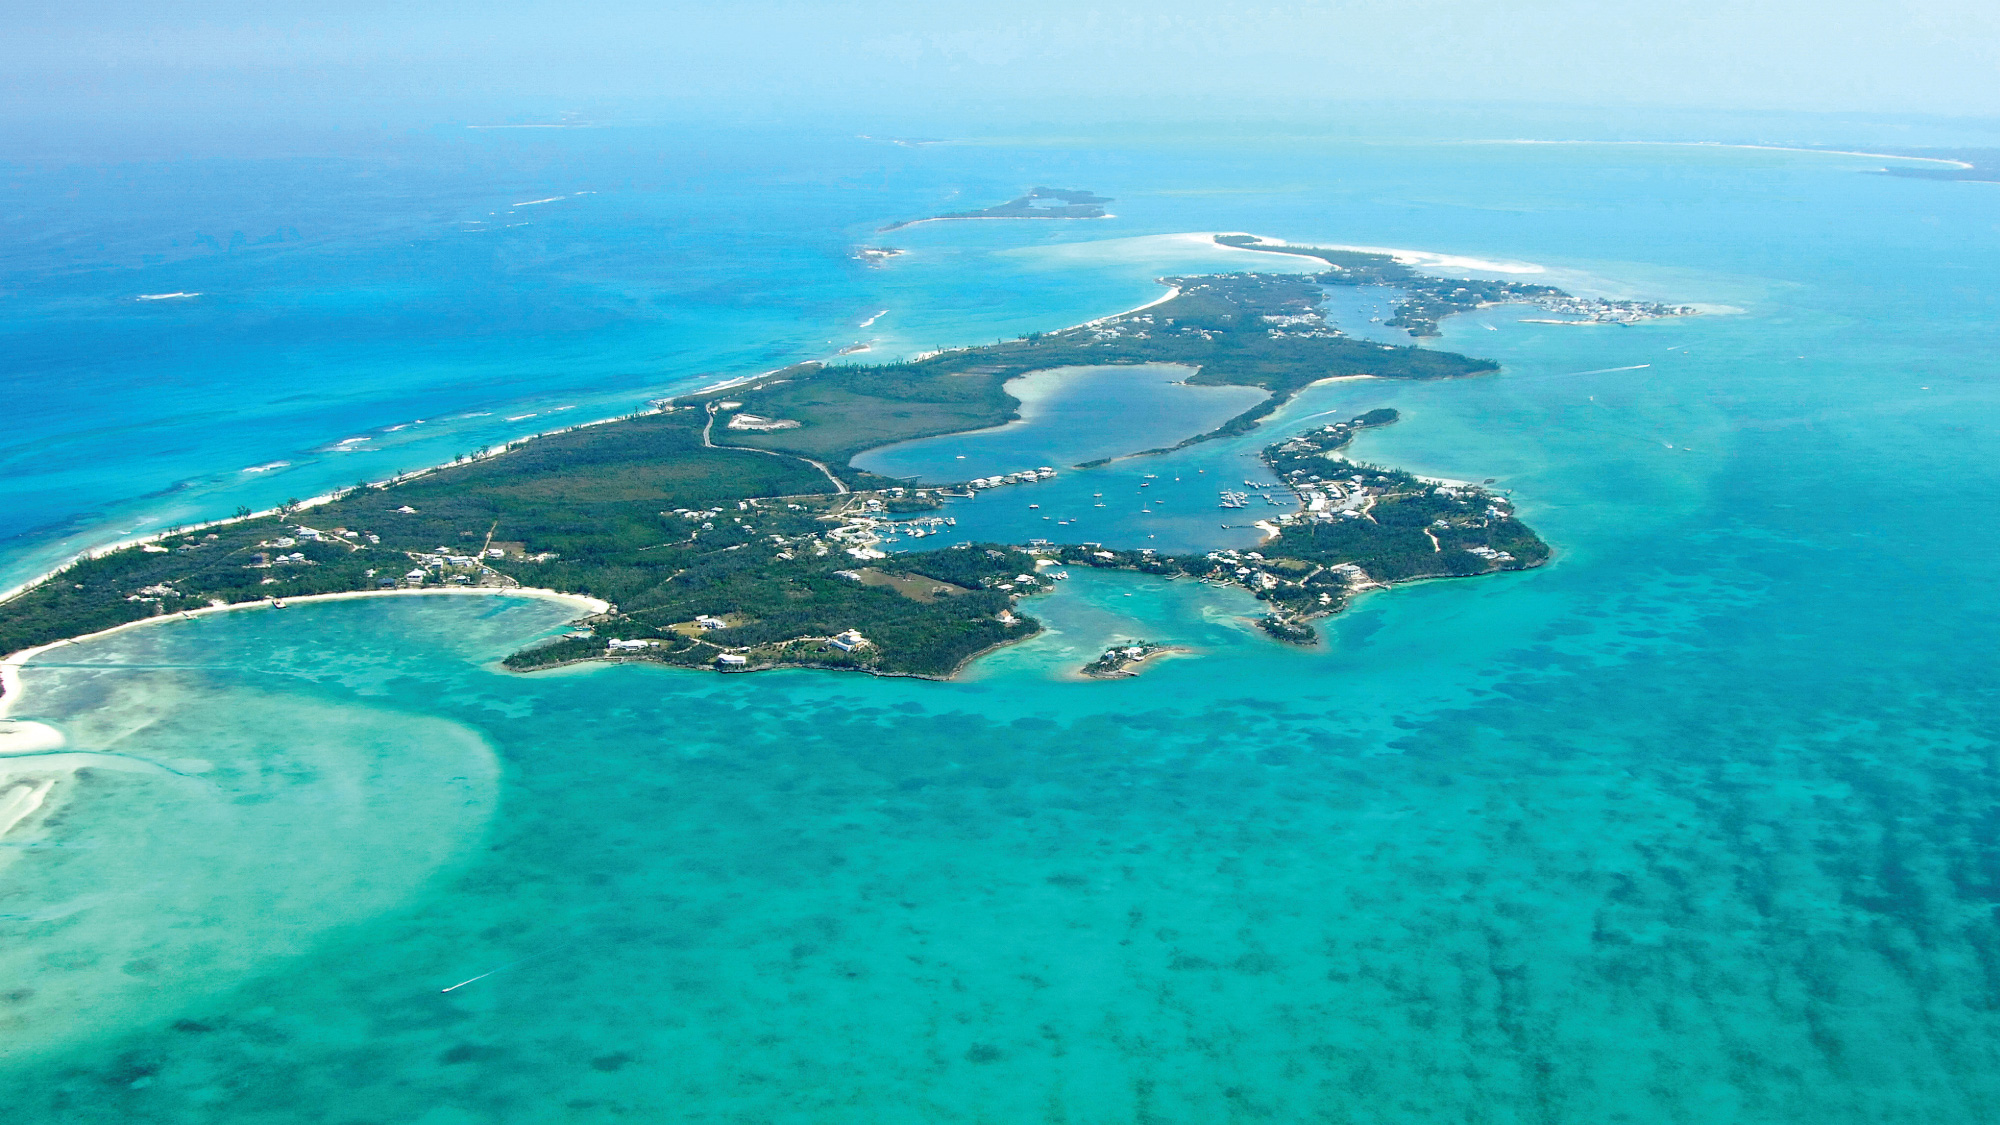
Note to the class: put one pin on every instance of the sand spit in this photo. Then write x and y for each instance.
(1765, 148)
(1172, 292)
(19, 736)
(1417, 259)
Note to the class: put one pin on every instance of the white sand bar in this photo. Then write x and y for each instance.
(20, 800)
(18, 736)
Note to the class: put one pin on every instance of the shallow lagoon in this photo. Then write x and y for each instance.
(1170, 501)
(1071, 415)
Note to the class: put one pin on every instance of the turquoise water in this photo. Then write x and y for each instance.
(407, 304)
(1694, 824)
(1363, 312)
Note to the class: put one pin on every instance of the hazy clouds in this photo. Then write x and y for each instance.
(223, 55)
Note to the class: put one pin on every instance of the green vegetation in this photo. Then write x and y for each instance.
(1428, 299)
(1068, 205)
(1360, 527)
(1364, 526)
(226, 564)
(725, 547)
(1117, 660)
(773, 600)
(1237, 329)
(636, 512)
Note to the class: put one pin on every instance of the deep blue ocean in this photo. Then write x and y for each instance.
(1699, 823)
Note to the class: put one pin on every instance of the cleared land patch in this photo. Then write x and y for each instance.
(915, 587)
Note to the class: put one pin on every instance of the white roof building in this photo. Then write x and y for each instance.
(849, 641)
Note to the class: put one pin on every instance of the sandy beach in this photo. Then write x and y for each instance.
(32, 766)
(10, 666)
(308, 503)
(1419, 259)
(9, 686)
(1130, 671)
(1765, 148)
(1172, 292)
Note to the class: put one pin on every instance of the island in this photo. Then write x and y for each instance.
(1120, 659)
(1038, 203)
(727, 529)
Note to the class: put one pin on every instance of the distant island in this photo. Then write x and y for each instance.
(1034, 205)
(728, 529)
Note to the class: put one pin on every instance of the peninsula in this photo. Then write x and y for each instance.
(1428, 299)
(728, 528)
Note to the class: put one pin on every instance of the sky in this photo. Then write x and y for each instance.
(216, 58)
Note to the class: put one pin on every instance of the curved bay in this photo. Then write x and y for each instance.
(216, 810)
